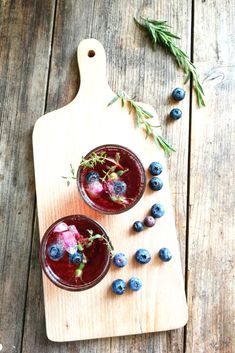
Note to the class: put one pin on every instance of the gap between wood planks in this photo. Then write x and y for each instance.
(35, 202)
(188, 174)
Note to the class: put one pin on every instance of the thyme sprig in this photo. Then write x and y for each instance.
(94, 159)
(142, 117)
(72, 175)
(160, 33)
(93, 236)
(100, 158)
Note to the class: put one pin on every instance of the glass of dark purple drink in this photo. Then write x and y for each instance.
(75, 253)
(111, 179)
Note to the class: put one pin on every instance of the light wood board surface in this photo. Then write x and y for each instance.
(62, 137)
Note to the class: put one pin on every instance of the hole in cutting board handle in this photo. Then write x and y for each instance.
(91, 53)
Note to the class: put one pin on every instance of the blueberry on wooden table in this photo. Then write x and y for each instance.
(165, 254)
(138, 226)
(120, 260)
(149, 221)
(142, 256)
(155, 183)
(118, 286)
(157, 210)
(175, 114)
(135, 284)
(178, 94)
(155, 168)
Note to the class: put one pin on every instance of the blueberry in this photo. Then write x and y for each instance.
(120, 260)
(157, 210)
(138, 226)
(149, 221)
(119, 187)
(155, 183)
(118, 286)
(76, 258)
(155, 168)
(165, 254)
(178, 94)
(135, 283)
(175, 113)
(55, 252)
(92, 176)
(142, 256)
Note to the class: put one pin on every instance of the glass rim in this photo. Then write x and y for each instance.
(88, 200)
(52, 276)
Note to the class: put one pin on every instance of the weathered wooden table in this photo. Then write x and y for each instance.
(38, 73)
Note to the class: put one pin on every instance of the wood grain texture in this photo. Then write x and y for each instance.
(133, 66)
(62, 136)
(24, 52)
(211, 225)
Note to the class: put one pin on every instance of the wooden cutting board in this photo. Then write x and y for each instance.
(60, 138)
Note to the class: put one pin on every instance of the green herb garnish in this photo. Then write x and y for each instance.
(142, 117)
(71, 177)
(93, 236)
(159, 32)
(93, 159)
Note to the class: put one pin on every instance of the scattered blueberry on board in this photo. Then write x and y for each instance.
(138, 226)
(175, 114)
(55, 252)
(120, 260)
(135, 283)
(118, 286)
(92, 176)
(165, 254)
(155, 183)
(142, 256)
(76, 258)
(178, 94)
(155, 168)
(149, 221)
(157, 210)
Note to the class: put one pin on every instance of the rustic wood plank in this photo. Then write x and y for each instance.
(211, 236)
(24, 55)
(151, 76)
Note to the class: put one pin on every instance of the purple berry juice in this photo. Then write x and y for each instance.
(75, 253)
(111, 179)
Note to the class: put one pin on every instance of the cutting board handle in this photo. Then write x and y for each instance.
(92, 66)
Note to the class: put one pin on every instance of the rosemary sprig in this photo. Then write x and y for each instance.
(159, 32)
(142, 117)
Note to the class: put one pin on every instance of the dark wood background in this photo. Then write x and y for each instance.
(39, 73)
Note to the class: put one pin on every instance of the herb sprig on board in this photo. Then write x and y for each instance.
(142, 117)
(160, 33)
(72, 175)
